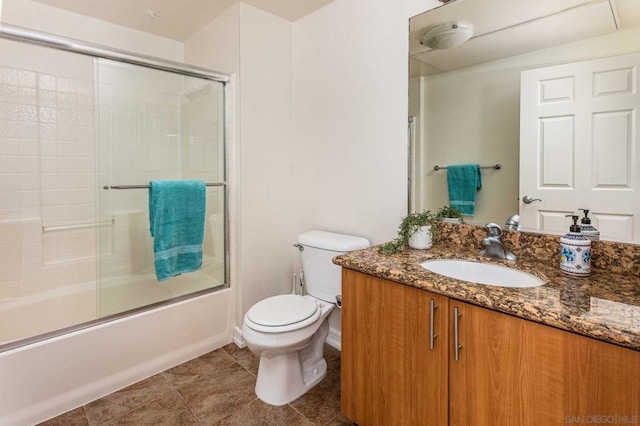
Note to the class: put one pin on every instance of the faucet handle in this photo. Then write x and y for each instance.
(493, 230)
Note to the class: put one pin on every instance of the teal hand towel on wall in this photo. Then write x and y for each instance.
(176, 218)
(464, 181)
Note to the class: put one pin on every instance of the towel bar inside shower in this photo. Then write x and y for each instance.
(495, 166)
(148, 186)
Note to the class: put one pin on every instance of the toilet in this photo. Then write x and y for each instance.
(289, 331)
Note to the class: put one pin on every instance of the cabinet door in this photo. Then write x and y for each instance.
(603, 382)
(508, 372)
(390, 375)
(511, 371)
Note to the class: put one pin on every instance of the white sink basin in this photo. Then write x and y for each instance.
(482, 273)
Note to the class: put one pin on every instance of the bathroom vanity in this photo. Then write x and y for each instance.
(419, 348)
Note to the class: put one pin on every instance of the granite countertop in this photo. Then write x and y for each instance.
(605, 305)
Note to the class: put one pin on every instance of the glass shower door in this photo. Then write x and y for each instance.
(154, 125)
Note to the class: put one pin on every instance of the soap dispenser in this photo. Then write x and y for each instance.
(587, 229)
(575, 251)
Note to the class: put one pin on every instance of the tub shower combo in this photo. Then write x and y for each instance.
(83, 130)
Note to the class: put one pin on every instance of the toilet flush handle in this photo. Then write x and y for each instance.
(299, 246)
(339, 301)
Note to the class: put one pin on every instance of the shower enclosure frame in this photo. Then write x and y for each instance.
(37, 38)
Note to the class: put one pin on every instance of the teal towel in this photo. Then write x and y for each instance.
(176, 218)
(464, 181)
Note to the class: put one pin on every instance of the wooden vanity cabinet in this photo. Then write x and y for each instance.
(508, 371)
(511, 371)
(389, 373)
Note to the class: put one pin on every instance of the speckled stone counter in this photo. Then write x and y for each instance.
(605, 305)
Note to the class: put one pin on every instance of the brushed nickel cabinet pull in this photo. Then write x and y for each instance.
(432, 334)
(456, 343)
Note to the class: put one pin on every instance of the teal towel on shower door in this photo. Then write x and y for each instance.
(464, 181)
(176, 218)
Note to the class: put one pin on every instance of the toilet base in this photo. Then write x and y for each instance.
(279, 384)
(284, 377)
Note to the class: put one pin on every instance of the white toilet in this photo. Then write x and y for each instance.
(289, 331)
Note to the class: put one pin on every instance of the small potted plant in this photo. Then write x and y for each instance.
(449, 214)
(415, 230)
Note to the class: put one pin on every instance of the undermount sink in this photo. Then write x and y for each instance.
(482, 273)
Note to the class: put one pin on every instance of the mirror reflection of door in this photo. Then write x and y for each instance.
(466, 104)
(579, 145)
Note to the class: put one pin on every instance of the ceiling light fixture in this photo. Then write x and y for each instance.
(446, 36)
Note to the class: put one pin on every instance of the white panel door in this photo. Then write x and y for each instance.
(579, 145)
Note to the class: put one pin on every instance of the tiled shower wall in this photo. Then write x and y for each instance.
(47, 164)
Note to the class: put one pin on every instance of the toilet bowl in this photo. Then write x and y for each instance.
(289, 331)
(284, 374)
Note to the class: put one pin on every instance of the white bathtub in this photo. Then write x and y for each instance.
(41, 313)
(48, 378)
(68, 306)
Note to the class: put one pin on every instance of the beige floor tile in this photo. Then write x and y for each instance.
(216, 388)
(204, 365)
(244, 357)
(340, 420)
(332, 356)
(71, 418)
(256, 413)
(322, 402)
(168, 410)
(121, 402)
(216, 396)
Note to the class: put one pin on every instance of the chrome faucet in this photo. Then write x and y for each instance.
(513, 222)
(493, 246)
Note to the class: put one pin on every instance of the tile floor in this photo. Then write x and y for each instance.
(214, 389)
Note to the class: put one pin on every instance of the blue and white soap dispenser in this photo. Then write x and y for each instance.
(575, 251)
(587, 229)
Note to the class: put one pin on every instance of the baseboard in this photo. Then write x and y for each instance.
(334, 338)
(237, 338)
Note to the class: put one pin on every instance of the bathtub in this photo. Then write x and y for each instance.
(50, 377)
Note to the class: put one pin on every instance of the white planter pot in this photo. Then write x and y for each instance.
(452, 219)
(422, 238)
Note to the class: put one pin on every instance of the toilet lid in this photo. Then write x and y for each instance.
(282, 310)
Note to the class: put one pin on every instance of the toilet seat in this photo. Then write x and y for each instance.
(282, 313)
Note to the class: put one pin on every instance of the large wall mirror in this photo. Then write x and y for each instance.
(548, 90)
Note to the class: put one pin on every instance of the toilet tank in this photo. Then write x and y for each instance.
(322, 277)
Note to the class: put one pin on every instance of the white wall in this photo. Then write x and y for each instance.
(266, 152)
(217, 46)
(346, 169)
(258, 47)
(350, 107)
